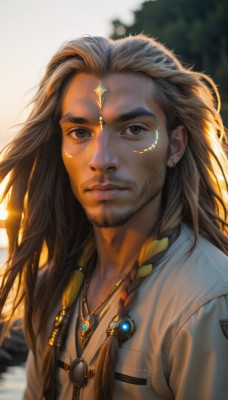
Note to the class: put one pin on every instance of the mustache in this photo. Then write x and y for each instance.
(105, 180)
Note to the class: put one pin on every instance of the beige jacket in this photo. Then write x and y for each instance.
(179, 350)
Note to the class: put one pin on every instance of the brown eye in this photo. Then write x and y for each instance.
(134, 130)
(79, 133)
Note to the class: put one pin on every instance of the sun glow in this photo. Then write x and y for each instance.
(3, 213)
(3, 217)
(3, 210)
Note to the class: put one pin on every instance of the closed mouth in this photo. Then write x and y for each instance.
(104, 187)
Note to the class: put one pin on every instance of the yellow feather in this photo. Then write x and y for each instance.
(151, 248)
(72, 289)
(87, 253)
(76, 280)
(144, 271)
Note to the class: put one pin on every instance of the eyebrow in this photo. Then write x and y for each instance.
(135, 113)
(68, 117)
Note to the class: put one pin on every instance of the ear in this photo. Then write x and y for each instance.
(178, 142)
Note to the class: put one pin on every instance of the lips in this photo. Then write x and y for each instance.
(105, 186)
(107, 191)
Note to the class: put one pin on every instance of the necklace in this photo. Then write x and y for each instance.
(89, 318)
(150, 255)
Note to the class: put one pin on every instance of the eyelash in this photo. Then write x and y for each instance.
(141, 128)
(77, 130)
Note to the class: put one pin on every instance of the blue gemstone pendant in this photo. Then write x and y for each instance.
(123, 328)
(87, 327)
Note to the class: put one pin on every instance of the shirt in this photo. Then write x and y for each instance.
(179, 349)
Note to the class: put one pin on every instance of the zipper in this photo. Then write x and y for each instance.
(130, 379)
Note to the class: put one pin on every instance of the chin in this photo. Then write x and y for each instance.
(110, 221)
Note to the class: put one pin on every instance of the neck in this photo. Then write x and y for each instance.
(118, 247)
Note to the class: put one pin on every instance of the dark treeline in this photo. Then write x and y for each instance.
(197, 31)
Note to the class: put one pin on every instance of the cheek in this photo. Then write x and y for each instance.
(147, 163)
(150, 167)
(154, 156)
(72, 171)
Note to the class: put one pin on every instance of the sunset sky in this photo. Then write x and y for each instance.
(31, 31)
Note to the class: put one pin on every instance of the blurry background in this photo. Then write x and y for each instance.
(197, 31)
(31, 32)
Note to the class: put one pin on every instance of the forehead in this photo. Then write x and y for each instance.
(125, 91)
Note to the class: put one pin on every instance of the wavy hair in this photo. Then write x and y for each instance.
(43, 209)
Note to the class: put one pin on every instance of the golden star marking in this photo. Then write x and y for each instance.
(100, 91)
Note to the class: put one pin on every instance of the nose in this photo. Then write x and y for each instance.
(104, 156)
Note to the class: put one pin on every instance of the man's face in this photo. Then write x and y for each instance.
(118, 168)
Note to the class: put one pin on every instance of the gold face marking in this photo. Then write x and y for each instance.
(67, 155)
(101, 122)
(100, 91)
(153, 145)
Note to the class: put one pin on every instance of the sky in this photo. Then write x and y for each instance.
(30, 33)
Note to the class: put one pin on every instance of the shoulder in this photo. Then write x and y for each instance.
(204, 247)
(198, 275)
(184, 282)
(204, 269)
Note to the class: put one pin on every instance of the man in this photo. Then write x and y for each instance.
(119, 173)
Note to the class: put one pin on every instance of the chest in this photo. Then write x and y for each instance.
(139, 372)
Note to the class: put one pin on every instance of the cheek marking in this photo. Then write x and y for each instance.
(67, 154)
(152, 146)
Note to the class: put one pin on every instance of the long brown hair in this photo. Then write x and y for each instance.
(42, 207)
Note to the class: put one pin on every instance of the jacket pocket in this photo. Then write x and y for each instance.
(130, 379)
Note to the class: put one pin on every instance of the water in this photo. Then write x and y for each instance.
(12, 377)
(12, 383)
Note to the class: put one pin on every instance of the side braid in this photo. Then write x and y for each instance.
(108, 353)
(150, 254)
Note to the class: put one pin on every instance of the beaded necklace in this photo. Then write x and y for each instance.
(122, 327)
(89, 318)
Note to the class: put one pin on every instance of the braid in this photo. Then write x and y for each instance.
(108, 353)
(151, 252)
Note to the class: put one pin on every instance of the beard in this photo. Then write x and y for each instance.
(110, 218)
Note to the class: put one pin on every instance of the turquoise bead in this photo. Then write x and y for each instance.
(83, 327)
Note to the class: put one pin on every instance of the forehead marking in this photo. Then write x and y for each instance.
(100, 91)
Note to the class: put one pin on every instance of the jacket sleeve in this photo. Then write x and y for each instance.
(198, 366)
